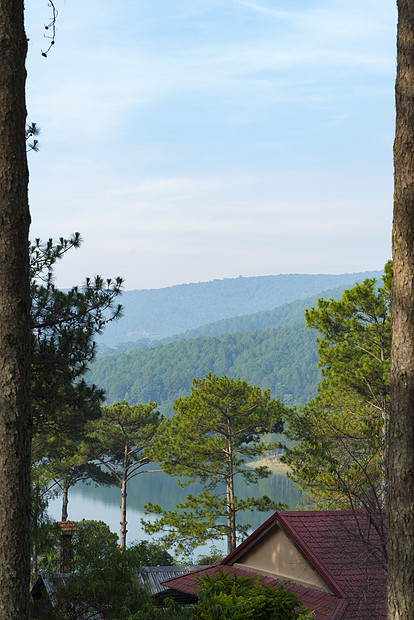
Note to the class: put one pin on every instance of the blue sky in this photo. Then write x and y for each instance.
(188, 140)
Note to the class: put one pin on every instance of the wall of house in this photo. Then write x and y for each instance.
(276, 555)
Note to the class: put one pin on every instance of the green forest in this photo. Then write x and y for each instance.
(271, 348)
(282, 359)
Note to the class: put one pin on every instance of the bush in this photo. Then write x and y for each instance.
(229, 596)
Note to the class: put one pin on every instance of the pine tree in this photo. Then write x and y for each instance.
(215, 431)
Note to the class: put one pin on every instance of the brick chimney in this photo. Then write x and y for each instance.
(66, 532)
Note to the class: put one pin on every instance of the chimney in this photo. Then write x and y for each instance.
(66, 531)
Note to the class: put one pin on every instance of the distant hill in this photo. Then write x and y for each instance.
(283, 359)
(287, 314)
(159, 313)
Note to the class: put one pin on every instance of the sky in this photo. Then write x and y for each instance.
(189, 140)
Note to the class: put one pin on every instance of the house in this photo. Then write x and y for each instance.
(331, 560)
(44, 597)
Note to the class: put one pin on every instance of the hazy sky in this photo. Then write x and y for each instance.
(188, 140)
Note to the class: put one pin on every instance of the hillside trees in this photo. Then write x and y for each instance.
(283, 360)
(342, 433)
(15, 419)
(401, 453)
(215, 431)
(119, 441)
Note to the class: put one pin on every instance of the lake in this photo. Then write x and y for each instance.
(103, 503)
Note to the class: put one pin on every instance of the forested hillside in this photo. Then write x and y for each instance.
(158, 313)
(287, 314)
(282, 359)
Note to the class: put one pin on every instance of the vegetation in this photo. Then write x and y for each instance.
(283, 360)
(340, 457)
(215, 431)
(104, 584)
(225, 596)
(104, 578)
(119, 440)
(91, 539)
(159, 313)
(64, 325)
(286, 314)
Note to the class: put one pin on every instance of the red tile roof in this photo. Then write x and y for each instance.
(332, 543)
(327, 605)
(354, 569)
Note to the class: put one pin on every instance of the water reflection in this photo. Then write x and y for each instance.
(98, 502)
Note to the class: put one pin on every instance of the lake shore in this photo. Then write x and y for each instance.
(273, 463)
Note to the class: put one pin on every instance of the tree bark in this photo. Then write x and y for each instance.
(124, 500)
(65, 502)
(231, 516)
(15, 423)
(400, 597)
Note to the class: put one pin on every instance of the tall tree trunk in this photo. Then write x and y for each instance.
(231, 515)
(15, 424)
(124, 499)
(400, 598)
(34, 564)
(65, 501)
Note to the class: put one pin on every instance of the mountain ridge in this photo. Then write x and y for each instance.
(161, 313)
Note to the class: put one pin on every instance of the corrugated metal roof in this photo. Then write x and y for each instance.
(50, 584)
(152, 576)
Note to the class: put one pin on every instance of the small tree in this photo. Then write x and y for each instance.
(120, 439)
(215, 431)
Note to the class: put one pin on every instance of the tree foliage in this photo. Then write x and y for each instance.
(166, 312)
(227, 595)
(283, 360)
(64, 324)
(215, 431)
(104, 579)
(340, 457)
(104, 583)
(119, 440)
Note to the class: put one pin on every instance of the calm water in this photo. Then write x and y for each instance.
(103, 503)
